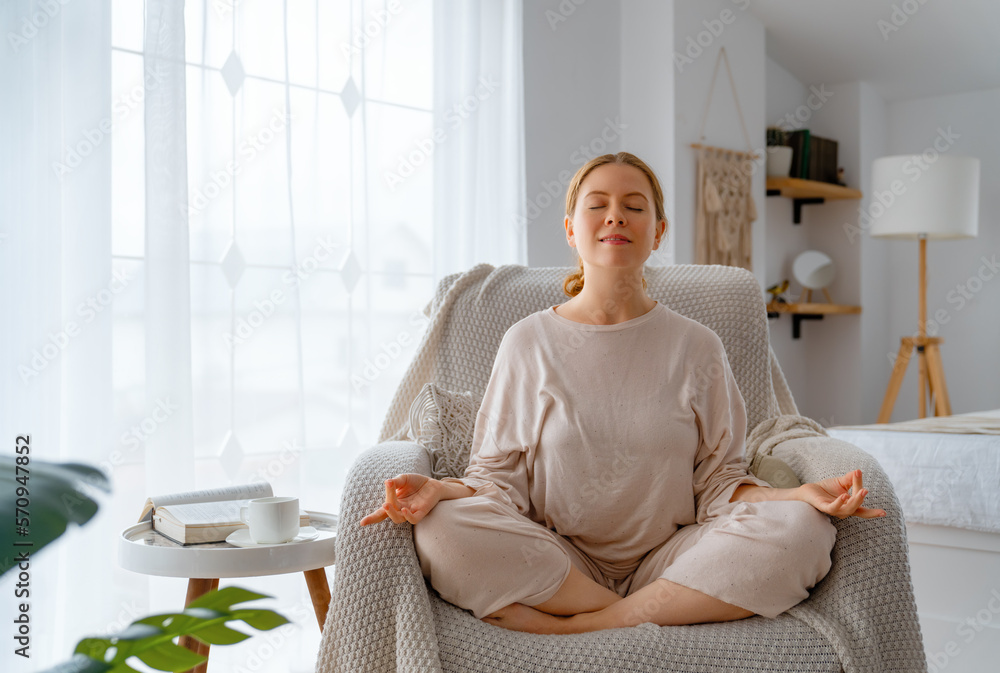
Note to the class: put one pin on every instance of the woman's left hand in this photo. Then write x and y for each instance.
(832, 496)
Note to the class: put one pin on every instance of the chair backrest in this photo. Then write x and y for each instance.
(471, 311)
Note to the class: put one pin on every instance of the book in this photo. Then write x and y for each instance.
(198, 517)
(799, 142)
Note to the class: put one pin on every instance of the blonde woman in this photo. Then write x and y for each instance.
(606, 485)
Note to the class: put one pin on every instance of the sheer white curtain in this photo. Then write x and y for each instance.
(57, 284)
(479, 180)
(244, 237)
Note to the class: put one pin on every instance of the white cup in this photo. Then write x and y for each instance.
(271, 520)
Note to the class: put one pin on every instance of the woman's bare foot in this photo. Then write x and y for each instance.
(520, 617)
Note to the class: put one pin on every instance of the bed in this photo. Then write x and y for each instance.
(946, 474)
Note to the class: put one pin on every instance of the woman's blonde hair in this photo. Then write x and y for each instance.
(574, 282)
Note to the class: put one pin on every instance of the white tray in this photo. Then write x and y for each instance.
(143, 550)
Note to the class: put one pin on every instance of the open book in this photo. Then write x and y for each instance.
(204, 516)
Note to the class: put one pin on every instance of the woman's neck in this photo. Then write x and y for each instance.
(606, 308)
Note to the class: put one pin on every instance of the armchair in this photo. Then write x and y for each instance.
(384, 617)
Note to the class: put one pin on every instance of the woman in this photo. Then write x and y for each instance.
(607, 486)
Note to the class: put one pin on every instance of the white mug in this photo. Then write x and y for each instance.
(271, 520)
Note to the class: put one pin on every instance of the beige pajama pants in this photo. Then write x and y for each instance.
(482, 555)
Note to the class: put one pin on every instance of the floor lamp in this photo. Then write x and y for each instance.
(916, 197)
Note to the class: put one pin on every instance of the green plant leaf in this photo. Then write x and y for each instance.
(224, 599)
(174, 623)
(58, 497)
(169, 657)
(220, 635)
(93, 648)
(263, 620)
(151, 638)
(137, 631)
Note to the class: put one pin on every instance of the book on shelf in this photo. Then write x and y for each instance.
(813, 157)
(799, 142)
(211, 515)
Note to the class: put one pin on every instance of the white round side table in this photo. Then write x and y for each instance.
(143, 550)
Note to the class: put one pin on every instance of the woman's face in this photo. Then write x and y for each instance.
(615, 200)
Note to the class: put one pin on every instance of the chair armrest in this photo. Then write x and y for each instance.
(377, 578)
(865, 604)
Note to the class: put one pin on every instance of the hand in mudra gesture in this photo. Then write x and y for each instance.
(832, 496)
(408, 497)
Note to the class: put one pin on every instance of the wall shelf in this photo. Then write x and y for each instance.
(807, 311)
(804, 192)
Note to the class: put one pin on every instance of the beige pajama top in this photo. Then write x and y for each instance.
(611, 435)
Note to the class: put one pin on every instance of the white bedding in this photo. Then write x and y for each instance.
(941, 477)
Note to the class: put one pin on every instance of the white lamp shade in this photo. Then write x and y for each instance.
(913, 196)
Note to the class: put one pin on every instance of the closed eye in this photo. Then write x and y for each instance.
(638, 210)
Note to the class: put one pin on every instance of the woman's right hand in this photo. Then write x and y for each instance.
(408, 497)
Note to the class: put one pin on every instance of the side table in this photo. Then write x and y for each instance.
(143, 550)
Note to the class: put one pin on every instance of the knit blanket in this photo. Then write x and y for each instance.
(383, 616)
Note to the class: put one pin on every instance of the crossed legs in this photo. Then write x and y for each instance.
(663, 602)
(509, 571)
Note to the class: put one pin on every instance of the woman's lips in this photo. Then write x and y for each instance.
(615, 241)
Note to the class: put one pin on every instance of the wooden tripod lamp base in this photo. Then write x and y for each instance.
(931, 375)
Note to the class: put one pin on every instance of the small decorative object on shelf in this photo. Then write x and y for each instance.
(815, 271)
(777, 290)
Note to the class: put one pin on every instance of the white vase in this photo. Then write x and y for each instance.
(779, 161)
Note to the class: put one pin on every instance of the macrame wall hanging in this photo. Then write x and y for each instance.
(725, 206)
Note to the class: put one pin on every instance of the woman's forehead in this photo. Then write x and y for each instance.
(615, 177)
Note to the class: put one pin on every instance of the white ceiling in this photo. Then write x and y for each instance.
(941, 47)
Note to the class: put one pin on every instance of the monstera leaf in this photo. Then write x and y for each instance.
(151, 639)
(46, 497)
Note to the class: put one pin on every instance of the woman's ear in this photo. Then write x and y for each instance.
(568, 223)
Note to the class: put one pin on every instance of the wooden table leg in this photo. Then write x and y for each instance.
(319, 590)
(197, 587)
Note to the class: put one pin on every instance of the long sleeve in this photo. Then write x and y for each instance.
(506, 428)
(721, 416)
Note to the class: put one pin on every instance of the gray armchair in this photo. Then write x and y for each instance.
(384, 617)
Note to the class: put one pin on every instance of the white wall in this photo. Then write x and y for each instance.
(710, 25)
(971, 330)
(647, 101)
(572, 94)
(877, 273)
